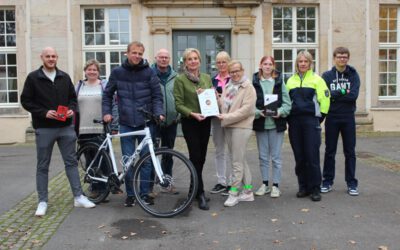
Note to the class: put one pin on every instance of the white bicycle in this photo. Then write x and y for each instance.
(99, 172)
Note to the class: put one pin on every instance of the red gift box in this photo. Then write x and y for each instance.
(62, 113)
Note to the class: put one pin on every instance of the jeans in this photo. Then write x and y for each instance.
(344, 125)
(269, 144)
(66, 139)
(127, 148)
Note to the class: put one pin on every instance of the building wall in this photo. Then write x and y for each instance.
(354, 24)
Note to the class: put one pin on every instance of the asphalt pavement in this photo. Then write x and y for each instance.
(368, 221)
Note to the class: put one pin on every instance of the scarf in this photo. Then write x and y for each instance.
(232, 88)
(191, 77)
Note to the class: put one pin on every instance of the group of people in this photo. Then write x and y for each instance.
(302, 102)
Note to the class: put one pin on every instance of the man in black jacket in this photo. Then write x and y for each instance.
(344, 83)
(50, 97)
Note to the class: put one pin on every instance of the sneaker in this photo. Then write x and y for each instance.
(82, 201)
(129, 201)
(232, 200)
(218, 189)
(41, 209)
(264, 189)
(169, 190)
(275, 192)
(246, 196)
(316, 196)
(326, 188)
(353, 191)
(226, 191)
(147, 200)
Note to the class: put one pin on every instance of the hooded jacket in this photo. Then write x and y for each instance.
(339, 83)
(40, 95)
(137, 86)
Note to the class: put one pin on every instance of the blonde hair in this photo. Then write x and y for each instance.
(308, 56)
(233, 62)
(223, 55)
(188, 51)
(90, 63)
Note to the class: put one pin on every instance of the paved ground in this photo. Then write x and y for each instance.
(369, 221)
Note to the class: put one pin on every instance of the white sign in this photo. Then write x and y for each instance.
(208, 103)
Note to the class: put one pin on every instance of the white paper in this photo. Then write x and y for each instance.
(208, 103)
(268, 99)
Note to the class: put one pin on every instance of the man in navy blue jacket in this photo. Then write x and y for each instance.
(137, 86)
(344, 83)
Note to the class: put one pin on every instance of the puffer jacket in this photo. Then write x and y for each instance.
(137, 87)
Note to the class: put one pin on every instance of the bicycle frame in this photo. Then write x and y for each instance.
(147, 141)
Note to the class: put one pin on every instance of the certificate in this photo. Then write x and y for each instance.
(208, 103)
(271, 105)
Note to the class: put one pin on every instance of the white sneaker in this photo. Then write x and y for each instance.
(263, 190)
(232, 200)
(41, 209)
(275, 193)
(246, 196)
(82, 201)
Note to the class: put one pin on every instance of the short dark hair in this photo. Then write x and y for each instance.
(136, 44)
(341, 50)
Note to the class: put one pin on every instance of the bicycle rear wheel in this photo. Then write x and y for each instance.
(96, 191)
(173, 197)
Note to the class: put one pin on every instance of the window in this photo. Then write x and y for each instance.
(294, 29)
(8, 59)
(389, 52)
(105, 37)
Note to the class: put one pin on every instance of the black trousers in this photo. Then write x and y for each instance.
(305, 139)
(196, 135)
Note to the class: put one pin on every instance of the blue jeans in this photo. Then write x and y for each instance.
(128, 147)
(269, 144)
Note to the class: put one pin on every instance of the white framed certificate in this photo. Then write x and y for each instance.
(208, 103)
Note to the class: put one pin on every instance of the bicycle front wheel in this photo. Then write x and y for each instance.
(172, 197)
(96, 191)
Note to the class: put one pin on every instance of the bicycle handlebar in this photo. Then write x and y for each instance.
(149, 116)
(106, 125)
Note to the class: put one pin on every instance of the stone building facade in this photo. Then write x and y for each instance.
(247, 29)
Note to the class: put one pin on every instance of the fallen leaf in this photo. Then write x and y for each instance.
(36, 241)
(9, 230)
(278, 230)
(301, 222)
(141, 221)
(201, 234)
(216, 241)
(101, 226)
(305, 210)
(352, 242)
(214, 214)
(230, 232)
(357, 216)
(133, 234)
(274, 220)
(124, 237)
(277, 242)
(164, 232)
(106, 232)
(383, 248)
(153, 226)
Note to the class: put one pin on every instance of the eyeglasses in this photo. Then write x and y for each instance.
(234, 72)
(342, 57)
(163, 57)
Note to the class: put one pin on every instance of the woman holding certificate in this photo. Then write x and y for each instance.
(270, 126)
(195, 126)
(237, 105)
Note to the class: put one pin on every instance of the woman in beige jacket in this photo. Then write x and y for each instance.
(237, 105)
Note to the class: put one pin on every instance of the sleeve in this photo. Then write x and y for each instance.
(354, 89)
(28, 99)
(108, 95)
(323, 95)
(246, 109)
(72, 99)
(334, 93)
(157, 98)
(284, 110)
(179, 94)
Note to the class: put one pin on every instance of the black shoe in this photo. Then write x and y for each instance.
(302, 194)
(218, 189)
(203, 202)
(226, 191)
(147, 200)
(130, 201)
(315, 196)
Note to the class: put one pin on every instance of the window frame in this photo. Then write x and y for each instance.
(107, 48)
(10, 50)
(387, 45)
(296, 46)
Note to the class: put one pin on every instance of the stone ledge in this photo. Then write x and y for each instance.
(205, 3)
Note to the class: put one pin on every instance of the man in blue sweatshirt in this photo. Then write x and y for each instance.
(344, 83)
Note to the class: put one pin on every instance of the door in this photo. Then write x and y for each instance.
(209, 43)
